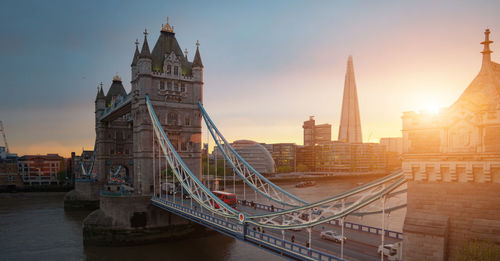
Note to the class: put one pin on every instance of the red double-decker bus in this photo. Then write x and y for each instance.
(228, 198)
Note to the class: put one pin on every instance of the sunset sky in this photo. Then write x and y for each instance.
(269, 65)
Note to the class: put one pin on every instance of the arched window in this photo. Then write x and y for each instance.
(169, 69)
(176, 70)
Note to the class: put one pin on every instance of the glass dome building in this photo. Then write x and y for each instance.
(255, 154)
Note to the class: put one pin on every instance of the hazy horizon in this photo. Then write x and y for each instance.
(268, 66)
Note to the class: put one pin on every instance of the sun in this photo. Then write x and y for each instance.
(430, 106)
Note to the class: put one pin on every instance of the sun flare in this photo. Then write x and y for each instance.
(430, 107)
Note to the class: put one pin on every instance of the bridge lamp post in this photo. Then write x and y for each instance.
(342, 224)
(153, 154)
(216, 177)
(309, 230)
(383, 198)
(224, 174)
(342, 241)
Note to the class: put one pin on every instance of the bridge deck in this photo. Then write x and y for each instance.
(360, 244)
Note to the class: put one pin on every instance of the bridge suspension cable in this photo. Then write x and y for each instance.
(88, 172)
(186, 178)
(326, 210)
(304, 216)
(247, 173)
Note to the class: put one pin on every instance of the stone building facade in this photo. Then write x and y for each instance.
(174, 86)
(452, 162)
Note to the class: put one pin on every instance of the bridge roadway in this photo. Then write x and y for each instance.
(358, 246)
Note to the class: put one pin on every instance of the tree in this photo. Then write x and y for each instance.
(478, 250)
(302, 168)
(284, 169)
(61, 174)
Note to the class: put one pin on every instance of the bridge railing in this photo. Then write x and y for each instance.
(241, 231)
(86, 180)
(115, 193)
(368, 229)
(300, 250)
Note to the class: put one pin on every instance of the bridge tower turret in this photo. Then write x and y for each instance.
(144, 61)
(197, 64)
(134, 61)
(100, 106)
(100, 101)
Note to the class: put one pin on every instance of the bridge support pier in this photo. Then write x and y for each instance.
(127, 220)
(85, 196)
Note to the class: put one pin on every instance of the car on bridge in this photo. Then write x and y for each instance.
(393, 252)
(333, 236)
(168, 188)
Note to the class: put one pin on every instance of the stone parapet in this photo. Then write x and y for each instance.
(442, 216)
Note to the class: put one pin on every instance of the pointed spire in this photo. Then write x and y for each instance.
(197, 58)
(350, 124)
(145, 53)
(100, 92)
(486, 50)
(136, 53)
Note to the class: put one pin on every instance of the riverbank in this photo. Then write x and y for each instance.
(36, 188)
(303, 176)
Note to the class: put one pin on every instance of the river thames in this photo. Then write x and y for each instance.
(35, 226)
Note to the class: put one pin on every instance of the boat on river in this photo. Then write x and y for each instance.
(303, 184)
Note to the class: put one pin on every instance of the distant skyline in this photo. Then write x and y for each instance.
(268, 65)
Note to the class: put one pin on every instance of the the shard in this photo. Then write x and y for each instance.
(350, 124)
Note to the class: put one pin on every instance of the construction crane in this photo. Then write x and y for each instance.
(4, 138)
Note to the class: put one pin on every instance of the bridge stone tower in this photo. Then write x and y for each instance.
(113, 134)
(174, 86)
(452, 163)
(124, 137)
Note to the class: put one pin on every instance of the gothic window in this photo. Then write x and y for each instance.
(119, 149)
(183, 87)
(169, 86)
(169, 69)
(172, 118)
(176, 87)
(176, 70)
(162, 86)
(183, 146)
(187, 121)
(174, 139)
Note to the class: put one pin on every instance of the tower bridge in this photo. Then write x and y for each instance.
(154, 133)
